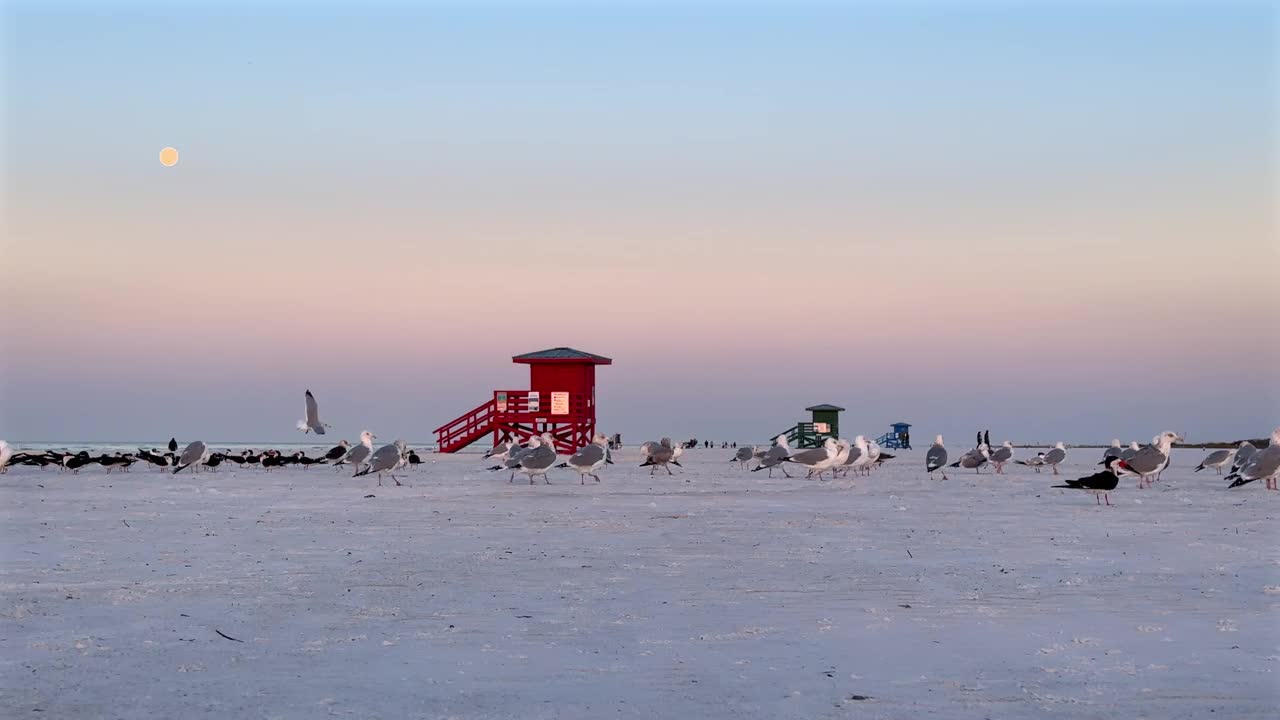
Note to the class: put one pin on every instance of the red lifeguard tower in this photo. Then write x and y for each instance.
(561, 399)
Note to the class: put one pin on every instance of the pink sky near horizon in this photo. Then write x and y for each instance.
(914, 222)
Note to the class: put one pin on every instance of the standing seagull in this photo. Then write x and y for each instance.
(818, 460)
(1112, 452)
(6, 452)
(1130, 451)
(743, 456)
(1035, 463)
(513, 455)
(1215, 460)
(192, 454)
(1099, 483)
(1002, 455)
(360, 453)
(539, 459)
(936, 458)
(1150, 460)
(384, 460)
(1243, 453)
(589, 458)
(1055, 456)
(1263, 465)
(775, 457)
(311, 423)
(975, 458)
(864, 460)
(660, 454)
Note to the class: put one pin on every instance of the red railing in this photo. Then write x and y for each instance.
(464, 430)
(510, 406)
(520, 406)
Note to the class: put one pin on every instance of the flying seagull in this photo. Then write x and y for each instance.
(311, 423)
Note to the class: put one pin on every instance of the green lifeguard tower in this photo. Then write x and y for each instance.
(825, 424)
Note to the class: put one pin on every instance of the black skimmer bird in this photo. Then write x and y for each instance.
(1100, 484)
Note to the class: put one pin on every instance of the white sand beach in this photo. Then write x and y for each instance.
(731, 595)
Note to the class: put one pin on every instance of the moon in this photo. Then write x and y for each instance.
(169, 157)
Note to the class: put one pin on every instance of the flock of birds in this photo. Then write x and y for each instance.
(1146, 463)
(538, 455)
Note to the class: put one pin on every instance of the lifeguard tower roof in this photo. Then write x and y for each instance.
(825, 407)
(561, 355)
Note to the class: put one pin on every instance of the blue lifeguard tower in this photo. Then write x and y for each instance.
(899, 437)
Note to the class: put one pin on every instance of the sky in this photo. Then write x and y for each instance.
(1054, 220)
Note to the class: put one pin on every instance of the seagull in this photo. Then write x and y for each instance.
(1152, 459)
(1037, 463)
(337, 451)
(775, 457)
(359, 454)
(864, 461)
(311, 423)
(975, 458)
(514, 454)
(539, 459)
(193, 453)
(1243, 453)
(6, 453)
(743, 456)
(855, 454)
(500, 454)
(1215, 460)
(1114, 451)
(384, 460)
(589, 458)
(1002, 455)
(1100, 484)
(936, 458)
(1263, 465)
(660, 454)
(1130, 451)
(818, 460)
(843, 450)
(1055, 456)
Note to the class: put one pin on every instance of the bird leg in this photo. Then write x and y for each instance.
(1108, 497)
(668, 470)
(1097, 500)
(597, 477)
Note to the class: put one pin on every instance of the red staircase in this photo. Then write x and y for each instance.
(519, 415)
(464, 430)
